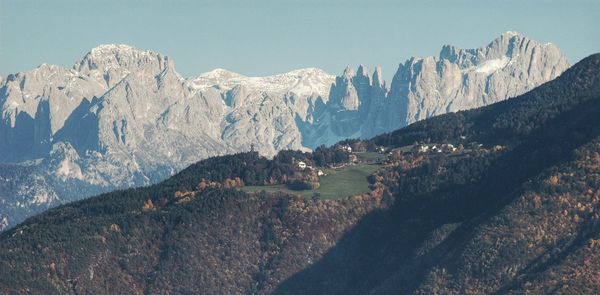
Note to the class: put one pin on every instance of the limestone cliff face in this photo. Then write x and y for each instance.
(459, 79)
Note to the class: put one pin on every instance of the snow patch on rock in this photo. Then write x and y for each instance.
(488, 67)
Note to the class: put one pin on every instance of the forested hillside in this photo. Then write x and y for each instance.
(514, 210)
(521, 218)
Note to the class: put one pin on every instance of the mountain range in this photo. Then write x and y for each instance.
(123, 117)
(513, 210)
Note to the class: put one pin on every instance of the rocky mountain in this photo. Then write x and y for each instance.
(514, 210)
(123, 117)
(458, 79)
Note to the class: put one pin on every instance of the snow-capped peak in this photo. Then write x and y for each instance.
(219, 74)
(104, 48)
(118, 55)
(301, 81)
(511, 34)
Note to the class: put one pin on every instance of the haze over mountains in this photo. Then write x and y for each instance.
(124, 117)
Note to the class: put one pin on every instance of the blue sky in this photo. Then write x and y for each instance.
(255, 37)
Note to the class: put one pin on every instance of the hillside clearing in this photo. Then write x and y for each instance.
(338, 183)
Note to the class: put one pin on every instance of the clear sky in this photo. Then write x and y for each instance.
(262, 37)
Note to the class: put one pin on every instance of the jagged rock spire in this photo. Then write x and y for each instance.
(378, 78)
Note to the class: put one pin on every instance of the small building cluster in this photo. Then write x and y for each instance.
(436, 148)
(302, 165)
(346, 148)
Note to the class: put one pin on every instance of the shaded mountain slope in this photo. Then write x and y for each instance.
(516, 214)
(111, 244)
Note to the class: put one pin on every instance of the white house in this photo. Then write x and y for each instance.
(448, 147)
(301, 165)
(320, 172)
(346, 148)
(423, 148)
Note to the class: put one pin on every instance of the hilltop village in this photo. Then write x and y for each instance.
(352, 169)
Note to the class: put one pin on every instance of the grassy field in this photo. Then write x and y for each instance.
(370, 157)
(404, 149)
(338, 183)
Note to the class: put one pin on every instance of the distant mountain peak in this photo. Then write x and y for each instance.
(305, 81)
(116, 53)
(348, 72)
(220, 74)
(511, 34)
(362, 71)
(103, 48)
(378, 77)
(109, 63)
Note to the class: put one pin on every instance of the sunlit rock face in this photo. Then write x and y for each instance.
(462, 79)
(361, 106)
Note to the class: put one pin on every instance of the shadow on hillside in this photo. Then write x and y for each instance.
(542, 263)
(378, 254)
